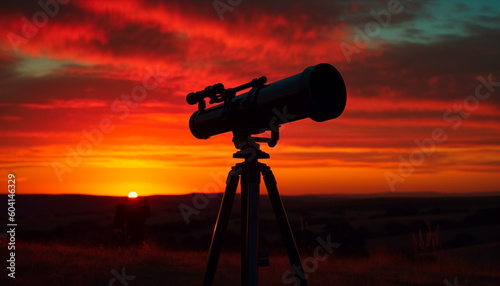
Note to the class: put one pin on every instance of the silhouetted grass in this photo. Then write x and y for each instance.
(63, 264)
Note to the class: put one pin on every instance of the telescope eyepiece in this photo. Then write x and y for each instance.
(217, 88)
(191, 98)
(211, 91)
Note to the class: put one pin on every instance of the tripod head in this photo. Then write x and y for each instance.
(248, 146)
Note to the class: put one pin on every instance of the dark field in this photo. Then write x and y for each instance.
(384, 240)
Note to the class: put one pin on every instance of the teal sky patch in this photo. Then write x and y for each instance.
(439, 21)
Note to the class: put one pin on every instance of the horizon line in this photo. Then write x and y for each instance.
(419, 194)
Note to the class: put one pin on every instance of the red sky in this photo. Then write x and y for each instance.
(413, 75)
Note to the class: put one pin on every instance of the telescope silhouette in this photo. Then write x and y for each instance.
(318, 93)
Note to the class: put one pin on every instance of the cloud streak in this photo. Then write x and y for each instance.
(66, 77)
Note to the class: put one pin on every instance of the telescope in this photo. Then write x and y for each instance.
(318, 93)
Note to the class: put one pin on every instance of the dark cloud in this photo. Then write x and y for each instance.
(8, 62)
(409, 67)
(26, 8)
(146, 42)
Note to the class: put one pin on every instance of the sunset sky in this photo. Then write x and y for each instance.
(419, 73)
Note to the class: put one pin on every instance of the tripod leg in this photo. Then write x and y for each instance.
(220, 227)
(252, 225)
(284, 225)
(244, 217)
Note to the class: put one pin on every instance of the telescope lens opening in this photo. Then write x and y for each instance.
(328, 92)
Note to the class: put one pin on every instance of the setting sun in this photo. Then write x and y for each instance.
(132, 195)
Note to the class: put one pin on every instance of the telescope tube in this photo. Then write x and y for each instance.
(318, 93)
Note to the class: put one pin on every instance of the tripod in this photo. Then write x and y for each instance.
(250, 172)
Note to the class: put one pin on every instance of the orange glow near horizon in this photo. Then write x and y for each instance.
(70, 125)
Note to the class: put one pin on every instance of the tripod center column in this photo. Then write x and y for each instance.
(253, 178)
